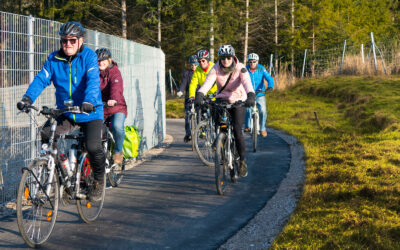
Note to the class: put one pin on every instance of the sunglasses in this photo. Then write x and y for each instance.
(72, 41)
(226, 58)
(203, 60)
(252, 61)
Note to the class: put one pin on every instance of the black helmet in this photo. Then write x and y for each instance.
(193, 59)
(72, 28)
(103, 54)
(203, 54)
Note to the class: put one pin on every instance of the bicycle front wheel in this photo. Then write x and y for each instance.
(193, 127)
(37, 203)
(116, 173)
(255, 131)
(204, 136)
(221, 164)
(89, 211)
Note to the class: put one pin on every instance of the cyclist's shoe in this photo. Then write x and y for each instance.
(187, 138)
(96, 192)
(242, 169)
(247, 130)
(264, 133)
(118, 158)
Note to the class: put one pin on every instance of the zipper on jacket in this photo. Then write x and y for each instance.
(70, 84)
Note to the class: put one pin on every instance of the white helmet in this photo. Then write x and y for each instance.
(226, 50)
(253, 56)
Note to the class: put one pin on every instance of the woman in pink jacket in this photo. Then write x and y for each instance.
(112, 93)
(238, 88)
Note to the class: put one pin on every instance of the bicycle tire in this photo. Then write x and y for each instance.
(255, 132)
(33, 202)
(192, 129)
(221, 175)
(114, 173)
(203, 146)
(88, 211)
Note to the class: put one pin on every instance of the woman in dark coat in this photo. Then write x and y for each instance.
(112, 92)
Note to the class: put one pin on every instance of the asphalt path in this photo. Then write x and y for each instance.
(169, 202)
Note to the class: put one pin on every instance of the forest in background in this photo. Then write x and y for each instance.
(284, 28)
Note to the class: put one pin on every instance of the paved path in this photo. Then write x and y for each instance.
(169, 202)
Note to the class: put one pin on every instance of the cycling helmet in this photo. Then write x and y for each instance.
(226, 50)
(193, 59)
(253, 56)
(203, 54)
(103, 54)
(72, 28)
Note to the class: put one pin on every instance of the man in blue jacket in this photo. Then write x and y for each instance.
(186, 78)
(74, 72)
(258, 74)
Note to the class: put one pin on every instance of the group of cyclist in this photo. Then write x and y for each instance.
(230, 81)
(89, 79)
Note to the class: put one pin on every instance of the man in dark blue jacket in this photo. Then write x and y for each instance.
(74, 72)
(187, 77)
(258, 74)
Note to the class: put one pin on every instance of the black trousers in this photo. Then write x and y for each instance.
(92, 132)
(237, 114)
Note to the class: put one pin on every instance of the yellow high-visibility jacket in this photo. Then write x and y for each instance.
(198, 78)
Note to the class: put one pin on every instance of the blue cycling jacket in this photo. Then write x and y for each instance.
(78, 79)
(257, 78)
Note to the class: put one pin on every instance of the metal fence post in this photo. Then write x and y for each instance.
(304, 63)
(96, 39)
(271, 65)
(170, 81)
(31, 49)
(362, 53)
(373, 50)
(341, 63)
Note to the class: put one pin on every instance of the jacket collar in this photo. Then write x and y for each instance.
(62, 56)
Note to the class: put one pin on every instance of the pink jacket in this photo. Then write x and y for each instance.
(238, 86)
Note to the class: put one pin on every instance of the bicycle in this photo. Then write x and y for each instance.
(204, 135)
(114, 172)
(226, 155)
(255, 121)
(52, 177)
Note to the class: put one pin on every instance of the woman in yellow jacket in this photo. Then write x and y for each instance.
(200, 74)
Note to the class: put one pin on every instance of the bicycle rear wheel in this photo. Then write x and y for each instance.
(37, 211)
(221, 169)
(89, 211)
(255, 131)
(204, 136)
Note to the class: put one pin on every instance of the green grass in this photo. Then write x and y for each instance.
(351, 196)
(175, 108)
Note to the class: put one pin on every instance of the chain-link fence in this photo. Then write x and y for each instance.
(25, 44)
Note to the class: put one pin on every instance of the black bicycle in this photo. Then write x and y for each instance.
(53, 177)
(226, 155)
(115, 172)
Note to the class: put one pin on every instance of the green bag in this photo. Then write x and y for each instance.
(131, 142)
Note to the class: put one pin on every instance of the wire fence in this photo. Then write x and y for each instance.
(25, 43)
(371, 58)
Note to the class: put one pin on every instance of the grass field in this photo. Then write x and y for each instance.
(351, 197)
